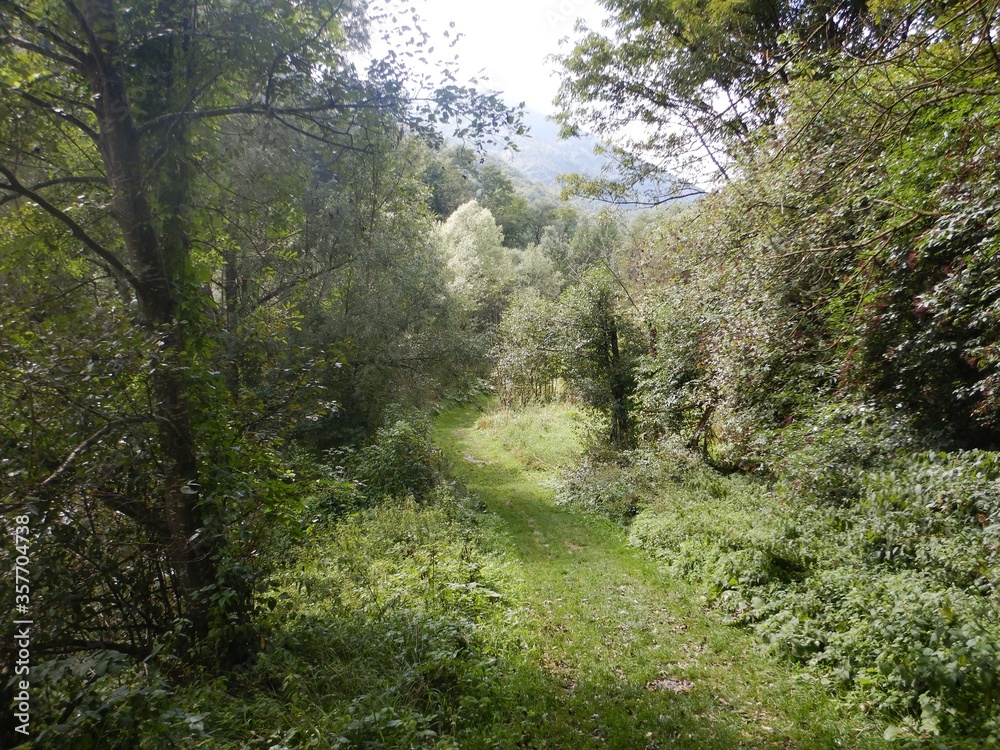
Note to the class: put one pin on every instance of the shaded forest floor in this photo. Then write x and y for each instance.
(623, 655)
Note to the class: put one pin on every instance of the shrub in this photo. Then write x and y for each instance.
(401, 460)
(934, 512)
(890, 595)
(909, 644)
(525, 357)
(620, 485)
(104, 700)
(728, 534)
(823, 455)
(382, 635)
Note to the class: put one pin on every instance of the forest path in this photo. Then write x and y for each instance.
(624, 655)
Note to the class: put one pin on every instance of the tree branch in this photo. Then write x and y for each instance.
(77, 179)
(72, 119)
(301, 279)
(39, 50)
(78, 450)
(114, 262)
(252, 109)
(79, 61)
(75, 454)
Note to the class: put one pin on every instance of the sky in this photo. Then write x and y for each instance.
(509, 41)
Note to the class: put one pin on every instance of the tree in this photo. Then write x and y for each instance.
(457, 176)
(496, 192)
(112, 128)
(601, 352)
(702, 78)
(398, 329)
(481, 268)
(451, 177)
(539, 273)
(847, 262)
(527, 355)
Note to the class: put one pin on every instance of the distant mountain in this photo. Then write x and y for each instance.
(543, 156)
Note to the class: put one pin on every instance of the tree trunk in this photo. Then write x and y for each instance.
(189, 548)
(621, 420)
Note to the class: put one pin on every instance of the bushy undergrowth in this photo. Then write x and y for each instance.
(381, 633)
(824, 454)
(618, 485)
(380, 625)
(878, 578)
(400, 460)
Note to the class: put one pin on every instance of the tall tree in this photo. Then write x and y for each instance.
(481, 268)
(601, 351)
(113, 112)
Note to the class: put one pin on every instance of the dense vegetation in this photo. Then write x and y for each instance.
(821, 331)
(219, 260)
(239, 272)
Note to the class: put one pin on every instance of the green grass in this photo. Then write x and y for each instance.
(483, 616)
(613, 652)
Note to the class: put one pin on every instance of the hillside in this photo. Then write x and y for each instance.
(542, 157)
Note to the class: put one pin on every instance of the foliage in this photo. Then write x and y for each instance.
(481, 268)
(496, 192)
(538, 273)
(183, 186)
(383, 309)
(824, 456)
(890, 596)
(600, 353)
(909, 612)
(822, 322)
(379, 630)
(101, 700)
(399, 461)
(385, 631)
(584, 339)
(704, 78)
(619, 485)
(594, 243)
(526, 357)
(219, 249)
(457, 175)
(837, 267)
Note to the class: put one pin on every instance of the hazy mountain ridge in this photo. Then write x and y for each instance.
(543, 156)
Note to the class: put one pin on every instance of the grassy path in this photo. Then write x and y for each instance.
(613, 652)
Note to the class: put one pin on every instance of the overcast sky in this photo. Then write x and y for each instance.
(509, 41)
